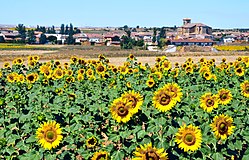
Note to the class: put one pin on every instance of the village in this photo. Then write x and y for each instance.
(154, 39)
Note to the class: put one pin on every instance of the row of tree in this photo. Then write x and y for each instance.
(28, 36)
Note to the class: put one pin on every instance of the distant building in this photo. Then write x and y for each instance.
(189, 28)
(191, 42)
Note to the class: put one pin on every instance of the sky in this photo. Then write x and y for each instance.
(116, 13)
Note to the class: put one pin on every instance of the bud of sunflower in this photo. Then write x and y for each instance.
(1, 101)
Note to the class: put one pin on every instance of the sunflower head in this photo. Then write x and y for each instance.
(163, 100)
(150, 82)
(147, 152)
(239, 71)
(189, 138)
(222, 126)
(245, 88)
(6, 65)
(121, 110)
(135, 99)
(100, 68)
(49, 135)
(91, 142)
(209, 102)
(100, 155)
(224, 96)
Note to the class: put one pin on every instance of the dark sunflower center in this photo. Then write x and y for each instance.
(59, 73)
(165, 99)
(223, 96)
(151, 83)
(91, 141)
(31, 78)
(101, 68)
(122, 111)
(222, 128)
(247, 89)
(239, 70)
(101, 157)
(133, 101)
(151, 155)
(50, 136)
(209, 103)
(189, 139)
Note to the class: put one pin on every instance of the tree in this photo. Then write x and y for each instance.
(161, 42)
(126, 27)
(52, 39)
(76, 30)
(22, 31)
(31, 37)
(162, 33)
(140, 43)
(43, 39)
(154, 35)
(62, 29)
(66, 31)
(128, 32)
(2, 39)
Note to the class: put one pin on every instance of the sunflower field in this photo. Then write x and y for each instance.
(232, 48)
(91, 109)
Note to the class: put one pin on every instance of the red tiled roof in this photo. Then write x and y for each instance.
(193, 40)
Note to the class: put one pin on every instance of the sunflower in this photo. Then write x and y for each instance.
(91, 142)
(58, 73)
(73, 59)
(31, 63)
(166, 65)
(158, 75)
(209, 102)
(70, 79)
(150, 82)
(6, 65)
(12, 77)
(90, 73)
(21, 78)
(100, 69)
(80, 77)
(239, 71)
(121, 110)
(69, 72)
(123, 70)
(49, 135)
(32, 77)
(81, 71)
(1, 74)
(19, 61)
(131, 57)
(163, 100)
(147, 152)
(135, 99)
(36, 58)
(189, 69)
(189, 138)
(175, 91)
(224, 96)
(222, 126)
(100, 155)
(207, 75)
(245, 88)
(175, 72)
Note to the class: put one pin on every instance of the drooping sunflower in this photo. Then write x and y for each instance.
(100, 155)
(91, 142)
(175, 91)
(208, 102)
(150, 82)
(240, 71)
(147, 152)
(224, 96)
(121, 110)
(245, 88)
(163, 100)
(189, 138)
(134, 98)
(49, 135)
(222, 126)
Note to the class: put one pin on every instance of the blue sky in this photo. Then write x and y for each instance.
(145, 13)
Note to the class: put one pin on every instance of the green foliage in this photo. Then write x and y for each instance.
(24, 106)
